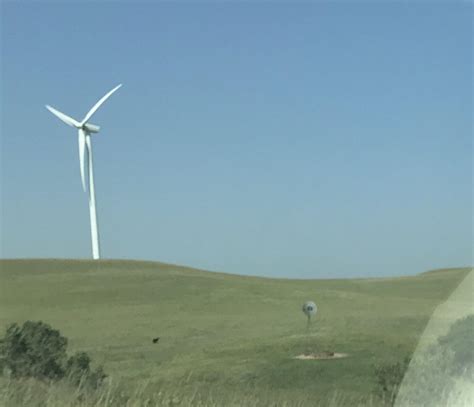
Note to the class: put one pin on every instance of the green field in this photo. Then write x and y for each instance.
(225, 337)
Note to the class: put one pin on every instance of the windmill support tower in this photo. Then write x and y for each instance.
(92, 207)
(85, 130)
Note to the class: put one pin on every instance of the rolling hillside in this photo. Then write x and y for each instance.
(224, 334)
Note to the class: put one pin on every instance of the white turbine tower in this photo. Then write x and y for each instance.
(84, 137)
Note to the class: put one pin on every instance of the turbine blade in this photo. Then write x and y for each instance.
(98, 104)
(82, 144)
(65, 118)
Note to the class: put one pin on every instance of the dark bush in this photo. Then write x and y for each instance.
(33, 350)
(460, 339)
(37, 350)
(432, 378)
(78, 371)
(389, 379)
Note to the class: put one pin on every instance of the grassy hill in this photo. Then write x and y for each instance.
(224, 335)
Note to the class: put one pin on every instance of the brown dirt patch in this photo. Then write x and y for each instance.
(321, 356)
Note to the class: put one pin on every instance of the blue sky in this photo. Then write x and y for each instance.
(290, 140)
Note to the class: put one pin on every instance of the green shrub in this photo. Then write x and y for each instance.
(37, 350)
(78, 371)
(436, 369)
(33, 350)
(389, 379)
(460, 339)
(428, 382)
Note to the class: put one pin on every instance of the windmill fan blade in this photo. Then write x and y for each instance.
(82, 145)
(65, 118)
(98, 104)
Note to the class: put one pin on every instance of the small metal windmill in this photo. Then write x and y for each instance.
(310, 309)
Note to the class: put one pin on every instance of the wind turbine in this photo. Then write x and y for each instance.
(85, 130)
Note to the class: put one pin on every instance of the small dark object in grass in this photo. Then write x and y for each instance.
(155, 340)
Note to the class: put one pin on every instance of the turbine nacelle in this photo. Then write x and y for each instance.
(91, 128)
